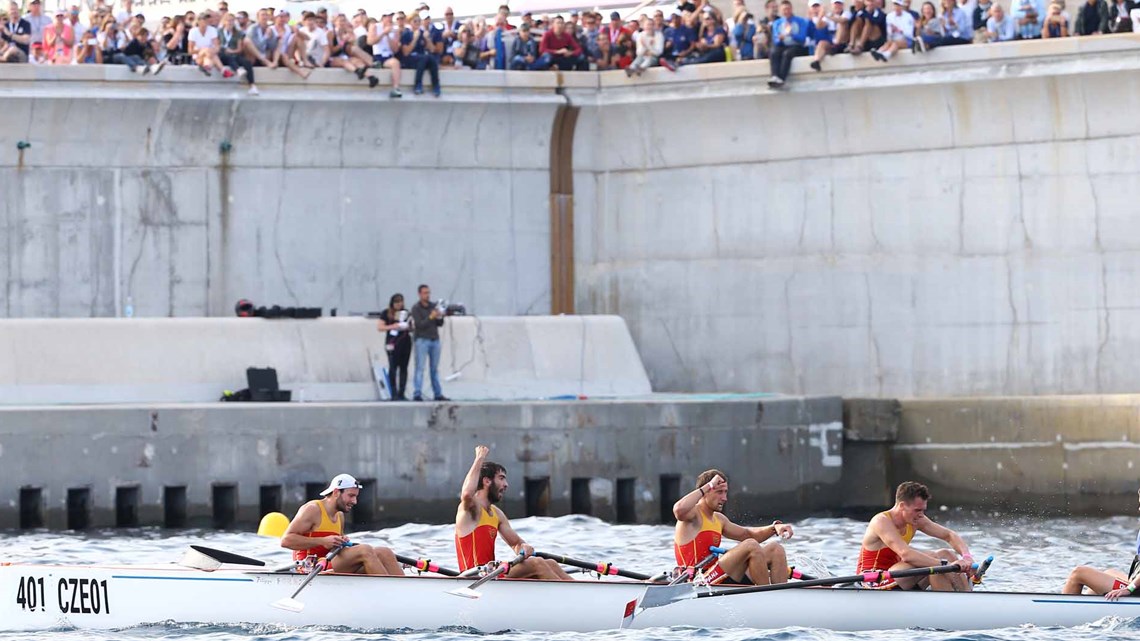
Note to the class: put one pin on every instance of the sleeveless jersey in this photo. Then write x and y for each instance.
(478, 547)
(693, 552)
(885, 558)
(327, 527)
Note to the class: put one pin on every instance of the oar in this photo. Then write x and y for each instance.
(981, 571)
(222, 556)
(714, 552)
(600, 568)
(503, 568)
(425, 565)
(291, 603)
(656, 596)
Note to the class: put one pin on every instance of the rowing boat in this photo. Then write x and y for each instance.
(37, 597)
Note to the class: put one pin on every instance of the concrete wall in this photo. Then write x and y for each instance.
(329, 196)
(64, 361)
(783, 455)
(1042, 454)
(959, 223)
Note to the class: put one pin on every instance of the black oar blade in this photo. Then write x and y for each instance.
(221, 556)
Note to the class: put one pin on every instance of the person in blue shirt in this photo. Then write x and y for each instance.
(956, 25)
(744, 32)
(710, 45)
(524, 50)
(418, 49)
(789, 40)
(684, 40)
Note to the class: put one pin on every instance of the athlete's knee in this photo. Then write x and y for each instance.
(748, 545)
(552, 568)
(384, 553)
(775, 552)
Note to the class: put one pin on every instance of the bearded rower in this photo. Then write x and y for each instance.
(318, 527)
(1112, 583)
(701, 524)
(886, 544)
(479, 522)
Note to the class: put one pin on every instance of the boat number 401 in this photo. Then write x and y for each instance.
(75, 596)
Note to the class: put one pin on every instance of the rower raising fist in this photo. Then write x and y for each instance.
(481, 452)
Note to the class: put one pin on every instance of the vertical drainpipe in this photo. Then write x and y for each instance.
(562, 210)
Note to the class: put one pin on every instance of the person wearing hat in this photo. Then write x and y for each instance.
(900, 32)
(615, 29)
(59, 38)
(15, 35)
(524, 50)
(38, 22)
(318, 528)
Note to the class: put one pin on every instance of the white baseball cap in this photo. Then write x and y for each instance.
(341, 482)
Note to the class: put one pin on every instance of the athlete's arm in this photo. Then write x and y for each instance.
(930, 528)
(887, 533)
(471, 483)
(510, 537)
(685, 509)
(758, 534)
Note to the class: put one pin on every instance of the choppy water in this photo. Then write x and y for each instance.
(1032, 554)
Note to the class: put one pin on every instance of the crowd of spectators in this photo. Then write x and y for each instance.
(692, 32)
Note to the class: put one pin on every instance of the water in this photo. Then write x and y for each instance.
(1032, 554)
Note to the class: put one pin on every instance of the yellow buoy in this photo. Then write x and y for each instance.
(273, 524)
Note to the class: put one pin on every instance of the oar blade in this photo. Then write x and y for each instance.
(288, 604)
(656, 596)
(465, 592)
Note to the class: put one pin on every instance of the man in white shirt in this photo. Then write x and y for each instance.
(1000, 27)
(900, 32)
(203, 43)
(316, 51)
(385, 42)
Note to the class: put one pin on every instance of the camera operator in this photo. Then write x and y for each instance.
(427, 318)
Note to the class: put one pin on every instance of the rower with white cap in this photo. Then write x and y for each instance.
(318, 528)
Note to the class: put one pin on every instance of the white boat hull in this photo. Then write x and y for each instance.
(37, 597)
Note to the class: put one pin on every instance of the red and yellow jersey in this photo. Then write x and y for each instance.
(478, 547)
(885, 558)
(692, 552)
(327, 527)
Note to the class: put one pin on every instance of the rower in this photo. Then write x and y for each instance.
(478, 522)
(700, 524)
(886, 545)
(1112, 583)
(318, 527)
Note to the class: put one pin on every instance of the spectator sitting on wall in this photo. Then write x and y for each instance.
(822, 33)
(416, 42)
(204, 46)
(15, 34)
(957, 26)
(1092, 18)
(870, 27)
(466, 50)
(38, 22)
(111, 43)
(711, 41)
(232, 45)
(685, 40)
(587, 36)
(262, 40)
(900, 32)
(139, 53)
(385, 42)
(1029, 17)
(1120, 16)
(762, 41)
(1000, 26)
(789, 35)
(614, 29)
(559, 48)
(621, 54)
(427, 318)
(524, 50)
(87, 46)
(650, 46)
(344, 53)
(928, 24)
(842, 19)
(604, 59)
(1056, 23)
(175, 41)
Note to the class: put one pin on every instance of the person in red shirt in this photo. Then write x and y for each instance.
(559, 47)
(701, 523)
(479, 522)
(615, 29)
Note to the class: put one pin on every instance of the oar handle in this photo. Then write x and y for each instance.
(981, 571)
(607, 569)
(867, 577)
(714, 552)
(425, 565)
(317, 569)
(499, 571)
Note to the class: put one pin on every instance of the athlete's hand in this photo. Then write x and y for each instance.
(526, 550)
(481, 451)
(783, 530)
(333, 540)
(1116, 594)
(715, 484)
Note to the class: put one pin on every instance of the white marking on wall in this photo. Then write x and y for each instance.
(971, 446)
(818, 438)
(1101, 445)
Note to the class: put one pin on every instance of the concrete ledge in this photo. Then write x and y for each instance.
(194, 359)
(784, 456)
